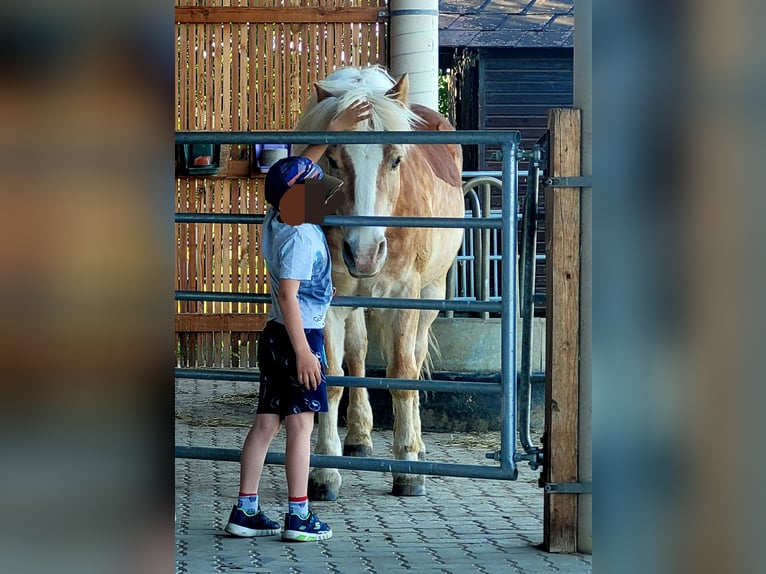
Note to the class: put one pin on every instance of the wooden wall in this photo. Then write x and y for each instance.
(247, 65)
(509, 89)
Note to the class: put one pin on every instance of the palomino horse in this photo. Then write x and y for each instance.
(383, 180)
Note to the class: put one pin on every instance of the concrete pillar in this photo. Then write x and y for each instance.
(583, 99)
(414, 47)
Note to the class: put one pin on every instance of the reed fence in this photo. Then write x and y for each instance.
(247, 65)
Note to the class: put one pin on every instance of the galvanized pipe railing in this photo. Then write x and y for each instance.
(527, 262)
(482, 261)
(507, 306)
(465, 137)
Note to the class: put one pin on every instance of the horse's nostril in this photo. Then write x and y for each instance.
(347, 252)
(380, 250)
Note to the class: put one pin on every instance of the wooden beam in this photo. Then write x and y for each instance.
(562, 220)
(210, 322)
(286, 14)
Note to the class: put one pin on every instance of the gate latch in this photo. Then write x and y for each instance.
(584, 181)
(568, 488)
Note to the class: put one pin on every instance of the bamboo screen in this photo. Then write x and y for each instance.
(247, 65)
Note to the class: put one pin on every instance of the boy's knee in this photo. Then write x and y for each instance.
(300, 422)
(267, 423)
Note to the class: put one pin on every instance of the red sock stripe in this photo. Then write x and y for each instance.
(299, 499)
(248, 494)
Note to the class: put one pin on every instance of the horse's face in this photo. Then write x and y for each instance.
(372, 176)
(371, 172)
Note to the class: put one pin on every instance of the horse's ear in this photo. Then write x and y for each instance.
(401, 91)
(322, 94)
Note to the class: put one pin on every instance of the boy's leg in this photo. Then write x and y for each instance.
(305, 528)
(298, 453)
(246, 518)
(254, 451)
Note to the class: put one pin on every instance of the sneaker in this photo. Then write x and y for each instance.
(305, 529)
(248, 525)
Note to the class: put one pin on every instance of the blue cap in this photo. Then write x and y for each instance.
(287, 172)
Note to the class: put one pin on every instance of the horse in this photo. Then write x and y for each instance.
(383, 180)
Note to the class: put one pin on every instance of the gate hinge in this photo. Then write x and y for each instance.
(584, 181)
(568, 488)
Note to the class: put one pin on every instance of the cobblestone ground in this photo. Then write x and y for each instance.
(462, 525)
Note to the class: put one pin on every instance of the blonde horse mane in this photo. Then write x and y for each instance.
(368, 84)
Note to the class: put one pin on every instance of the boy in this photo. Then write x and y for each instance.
(291, 347)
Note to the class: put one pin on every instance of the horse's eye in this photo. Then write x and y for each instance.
(333, 164)
(396, 163)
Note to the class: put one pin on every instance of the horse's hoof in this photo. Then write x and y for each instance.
(409, 485)
(322, 492)
(357, 450)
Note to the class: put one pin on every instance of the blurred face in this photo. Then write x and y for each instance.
(292, 206)
(301, 205)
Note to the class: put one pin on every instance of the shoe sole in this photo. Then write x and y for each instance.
(298, 536)
(236, 530)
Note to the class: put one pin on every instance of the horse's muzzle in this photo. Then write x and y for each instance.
(364, 261)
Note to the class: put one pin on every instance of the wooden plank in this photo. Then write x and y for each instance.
(347, 51)
(218, 248)
(226, 241)
(249, 263)
(562, 332)
(236, 198)
(281, 14)
(208, 62)
(226, 69)
(509, 59)
(283, 78)
(185, 278)
(316, 36)
(243, 123)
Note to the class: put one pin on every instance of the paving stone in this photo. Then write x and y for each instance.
(460, 526)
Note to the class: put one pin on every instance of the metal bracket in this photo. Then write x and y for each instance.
(568, 488)
(568, 181)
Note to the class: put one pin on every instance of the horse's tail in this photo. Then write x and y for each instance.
(433, 353)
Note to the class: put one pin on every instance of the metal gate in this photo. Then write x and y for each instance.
(505, 389)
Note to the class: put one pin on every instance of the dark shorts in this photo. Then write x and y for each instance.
(280, 392)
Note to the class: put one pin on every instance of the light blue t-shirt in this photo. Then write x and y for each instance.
(298, 252)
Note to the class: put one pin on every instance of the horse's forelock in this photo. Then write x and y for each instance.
(368, 84)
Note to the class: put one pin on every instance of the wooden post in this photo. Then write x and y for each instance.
(562, 230)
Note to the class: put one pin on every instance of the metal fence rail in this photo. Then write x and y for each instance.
(507, 224)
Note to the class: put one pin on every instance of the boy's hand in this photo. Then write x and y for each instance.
(309, 369)
(346, 120)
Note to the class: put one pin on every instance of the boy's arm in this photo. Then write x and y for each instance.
(309, 369)
(345, 121)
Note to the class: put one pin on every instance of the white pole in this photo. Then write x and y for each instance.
(414, 47)
(583, 99)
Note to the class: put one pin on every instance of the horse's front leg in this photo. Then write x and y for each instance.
(359, 414)
(402, 364)
(324, 483)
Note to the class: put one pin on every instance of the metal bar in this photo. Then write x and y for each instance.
(492, 173)
(568, 488)
(359, 463)
(246, 374)
(488, 388)
(332, 138)
(580, 181)
(482, 261)
(508, 315)
(527, 265)
(466, 306)
(350, 220)
(478, 253)
(485, 250)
